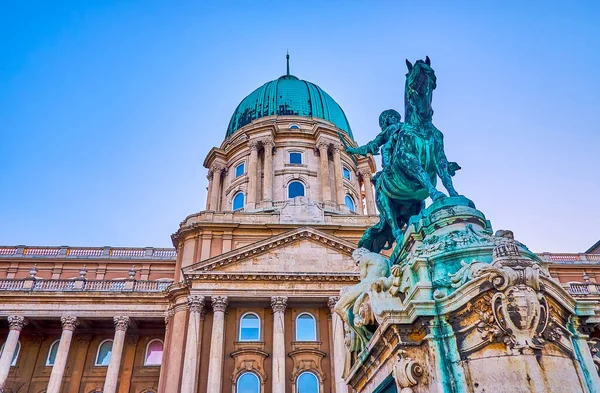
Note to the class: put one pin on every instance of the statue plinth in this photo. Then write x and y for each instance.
(466, 310)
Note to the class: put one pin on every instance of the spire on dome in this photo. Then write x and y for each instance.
(287, 57)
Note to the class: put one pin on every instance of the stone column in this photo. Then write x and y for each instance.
(278, 304)
(69, 323)
(268, 170)
(325, 187)
(15, 325)
(217, 342)
(217, 170)
(112, 373)
(339, 347)
(164, 363)
(131, 341)
(209, 191)
(369, 199)
(337, 173)
(189, 380)
(252, 175)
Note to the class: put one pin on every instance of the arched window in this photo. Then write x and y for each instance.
(238, 201)
(247, 383)
(307, 383)
(306, 327)
(294, 127)
(240, 169)
(15, 355)
(295, 189)
(346, 172)
(104, 352)
(250, 327)
(154, 353)
(52, 353)
(349, 203)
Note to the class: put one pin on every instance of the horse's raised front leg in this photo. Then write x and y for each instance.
(441, 166)
(413, 166)
(388, 212)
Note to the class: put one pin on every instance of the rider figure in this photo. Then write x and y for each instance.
(390, 124)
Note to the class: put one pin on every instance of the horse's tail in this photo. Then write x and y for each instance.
(378, 237)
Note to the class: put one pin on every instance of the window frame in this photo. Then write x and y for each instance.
(98, 352)
(15, 358)
(259, 327)
(349, 197)
(146, 352)
(314, 318)
(289, 157)
(55, 342)
(293, 126)
(237, 381)
(344, 170)
(296, 181)
(235, 168)
(243, 201)
(311, 373)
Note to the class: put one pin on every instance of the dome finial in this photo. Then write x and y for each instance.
(287, 58)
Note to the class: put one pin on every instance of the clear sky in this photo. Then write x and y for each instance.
(107, 109)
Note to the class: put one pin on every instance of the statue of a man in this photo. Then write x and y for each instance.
(390, 124)
(373, 267)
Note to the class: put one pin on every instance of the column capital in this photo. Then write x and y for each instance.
(196, 304)
(16, 322)
(365, 172)
(331, 302)
(253, 144)
(337, 147)
(279, 303)
(69, 322)
(219, 303)
(121, 322)
(323, 145)
(217, 167)
(267, 143)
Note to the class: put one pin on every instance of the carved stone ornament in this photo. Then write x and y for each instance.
(219, 303)
(594, 345)
(279, 303)
(121, 322)
(196, 303)
(17, 322)
(406, 372)
(69, 322)
(217, 168)
(331, 302)
(253, 144)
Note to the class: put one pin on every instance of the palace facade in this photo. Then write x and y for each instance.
(243, 302)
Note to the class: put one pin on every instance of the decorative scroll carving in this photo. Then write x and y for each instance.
(17, 322)
(219, 303)
(69, 322)
(121, 322)
(406, 372)
(279, 303)
(594, 345)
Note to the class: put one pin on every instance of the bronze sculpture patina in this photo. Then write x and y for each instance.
(412, 159)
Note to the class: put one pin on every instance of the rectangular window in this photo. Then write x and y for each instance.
(239, 170)
(295, 158)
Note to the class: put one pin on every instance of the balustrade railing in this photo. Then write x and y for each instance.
(82, 285)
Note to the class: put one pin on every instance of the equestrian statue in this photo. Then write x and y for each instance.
(412, 159)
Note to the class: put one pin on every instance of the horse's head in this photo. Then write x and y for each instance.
(420, 83)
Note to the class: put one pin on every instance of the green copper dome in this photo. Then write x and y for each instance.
(288, 96)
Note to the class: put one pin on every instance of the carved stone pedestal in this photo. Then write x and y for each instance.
(465, 310)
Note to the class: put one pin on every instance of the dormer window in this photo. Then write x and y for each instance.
(295, 158)
(240, 169)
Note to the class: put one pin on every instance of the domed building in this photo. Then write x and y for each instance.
(243, 301)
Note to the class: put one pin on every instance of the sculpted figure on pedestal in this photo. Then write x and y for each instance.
(413, 158)
(373, 268)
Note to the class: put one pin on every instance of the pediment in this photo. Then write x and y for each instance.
(304, 250)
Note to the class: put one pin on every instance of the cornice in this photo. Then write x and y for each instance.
(263, 246)
(292, 276)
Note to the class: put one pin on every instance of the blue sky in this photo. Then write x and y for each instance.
(107, 109)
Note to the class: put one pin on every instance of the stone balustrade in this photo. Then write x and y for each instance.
(65, 252)
(82, 285)
(574, 258)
